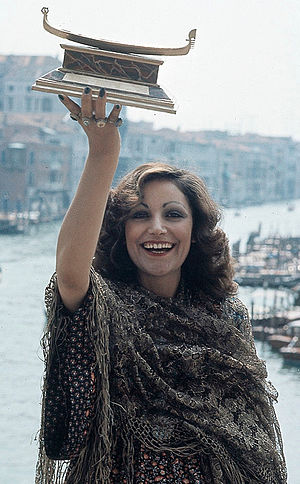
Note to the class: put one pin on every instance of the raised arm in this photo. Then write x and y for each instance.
(81, 226)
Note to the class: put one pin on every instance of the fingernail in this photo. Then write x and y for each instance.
(117, 106)
(61, 97)
(102, 92)
(86, 90)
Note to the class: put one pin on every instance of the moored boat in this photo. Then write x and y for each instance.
(285, 336)
(292, 351)
(277, 341)
(261, 332)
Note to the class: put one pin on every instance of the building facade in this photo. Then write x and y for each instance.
(42, 151)
(34, 171)
(17, 74)
(238, 169)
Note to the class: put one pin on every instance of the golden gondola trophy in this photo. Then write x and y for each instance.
(128, 76)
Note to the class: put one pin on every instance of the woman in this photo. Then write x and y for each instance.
(151, 370)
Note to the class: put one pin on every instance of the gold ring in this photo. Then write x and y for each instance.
(101, 122)
(116, 123)
(86, 121)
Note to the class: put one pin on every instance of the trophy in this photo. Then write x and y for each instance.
(126, 72)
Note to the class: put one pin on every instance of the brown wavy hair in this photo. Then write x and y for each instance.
(208, 266)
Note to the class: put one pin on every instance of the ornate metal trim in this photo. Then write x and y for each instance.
(116, 46)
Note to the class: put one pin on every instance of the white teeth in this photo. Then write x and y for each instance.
(166, 245)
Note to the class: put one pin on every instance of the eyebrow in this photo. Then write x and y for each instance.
(165, 204)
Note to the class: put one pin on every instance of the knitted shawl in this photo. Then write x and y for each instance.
(176, 374)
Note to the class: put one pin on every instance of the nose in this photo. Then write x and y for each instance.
(157, 226)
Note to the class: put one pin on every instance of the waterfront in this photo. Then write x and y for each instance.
(27, 261)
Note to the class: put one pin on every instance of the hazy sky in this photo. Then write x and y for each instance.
(243, 75)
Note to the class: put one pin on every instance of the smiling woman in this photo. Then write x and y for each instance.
(151, 370)
(158, 236)
(160, 203)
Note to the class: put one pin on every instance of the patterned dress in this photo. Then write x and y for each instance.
(69, 411)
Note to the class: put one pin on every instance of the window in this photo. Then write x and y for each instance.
(11, 88)
(172, 147)
(10, 102)
(139, 145)
(31, 179)
(28, 103)
(54, 176)
(46, 105)
(16, 158)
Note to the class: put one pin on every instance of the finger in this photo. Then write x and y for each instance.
(100, 104)
(86, 103)
(115, 112)
(70, 105)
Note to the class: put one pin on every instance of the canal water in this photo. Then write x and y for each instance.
(27, 261)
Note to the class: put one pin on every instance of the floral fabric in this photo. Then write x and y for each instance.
(164, 467)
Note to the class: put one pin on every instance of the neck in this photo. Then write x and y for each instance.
(160, 286)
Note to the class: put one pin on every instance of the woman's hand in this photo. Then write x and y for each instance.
(102, 132)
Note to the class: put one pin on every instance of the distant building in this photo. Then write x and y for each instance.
(34, 170)
(17, 74)
(238, 169)
(42, 152)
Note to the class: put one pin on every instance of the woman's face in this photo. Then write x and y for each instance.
(158, 236)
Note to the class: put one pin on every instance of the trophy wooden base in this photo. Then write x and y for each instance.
(128, 79)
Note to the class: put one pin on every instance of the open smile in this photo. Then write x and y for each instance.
(158, 248)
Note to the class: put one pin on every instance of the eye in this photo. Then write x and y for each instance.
(174, 214)
(140, 214)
